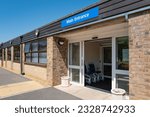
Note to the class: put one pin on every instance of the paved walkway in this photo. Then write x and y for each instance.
(17, 87)
(7, 77)
(44, 94)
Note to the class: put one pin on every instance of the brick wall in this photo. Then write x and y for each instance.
(57, 60)
(36, 72)
(139, 44)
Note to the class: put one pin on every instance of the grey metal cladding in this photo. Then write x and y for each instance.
(107, 9)
(16, 41)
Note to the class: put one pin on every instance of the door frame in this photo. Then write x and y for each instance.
(82, 58)
(102, 58)
(81, 65)
(116, 71)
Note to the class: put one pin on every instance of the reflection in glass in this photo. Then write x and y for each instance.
(34, 46)
(27, 47)
(43, 45)
(9, 53)
(75, 75)
(122, 53)
(35, 57)
(42, 58)
(123, 82)
(74, 53)
(28, 57)
(35, 51)
(17, 53)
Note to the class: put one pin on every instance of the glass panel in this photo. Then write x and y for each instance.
(107, 54)
(76, 75)
(4, 55)
(9, 54)
(35, 46)
(123, 82)
(27, 47)
(35, 57)
(43, 45)
(28, 57)
(122, 53)
(107, 70)
(16, 53)
(43, 57)
(74, 54)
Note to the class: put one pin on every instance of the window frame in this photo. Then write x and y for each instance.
(9, 54)
(117, 55)
(15, 53)
(38, 51)
(1, 51)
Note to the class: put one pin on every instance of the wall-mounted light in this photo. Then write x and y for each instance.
(10, 42)
(37, 32)
(61, 42)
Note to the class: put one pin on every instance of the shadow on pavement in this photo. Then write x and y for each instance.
(44, 94)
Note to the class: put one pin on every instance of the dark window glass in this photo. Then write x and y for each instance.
(107, 54)
(43, 57)
(74, 53)
(9, 53)
(17, 53)
(35, 57)
(1, 54)
(123, 82)
(34, 46)
(122, 53)
(27, 47)
(28, 57)
(4, 54)
(36, 52)
(43, 45)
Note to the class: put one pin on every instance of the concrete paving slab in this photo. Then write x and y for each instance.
(86, 93)
(19, 88)
(7, 77)
(44, 94)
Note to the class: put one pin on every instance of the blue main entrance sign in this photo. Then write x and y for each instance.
(89, 14)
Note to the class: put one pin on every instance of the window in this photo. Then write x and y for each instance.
(74, 54)
(42, 57)
(122, 53)
(1, 54)
(36, 52)
(27, 48)
(4, 54)
(9, 53)
(123, 82)
(75, 75)
(17, 53)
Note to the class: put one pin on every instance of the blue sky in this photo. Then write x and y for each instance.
(20, 16)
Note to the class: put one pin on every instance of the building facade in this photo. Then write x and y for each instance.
(105, 46)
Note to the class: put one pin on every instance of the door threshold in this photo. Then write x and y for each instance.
(99, 89)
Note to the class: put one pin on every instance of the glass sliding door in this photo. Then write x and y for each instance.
(75, 62)
(74, 54)
(120, 63)
(107, 62)
(122, 53)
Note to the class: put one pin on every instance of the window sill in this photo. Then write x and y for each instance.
(16, 61)
(36, 64)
